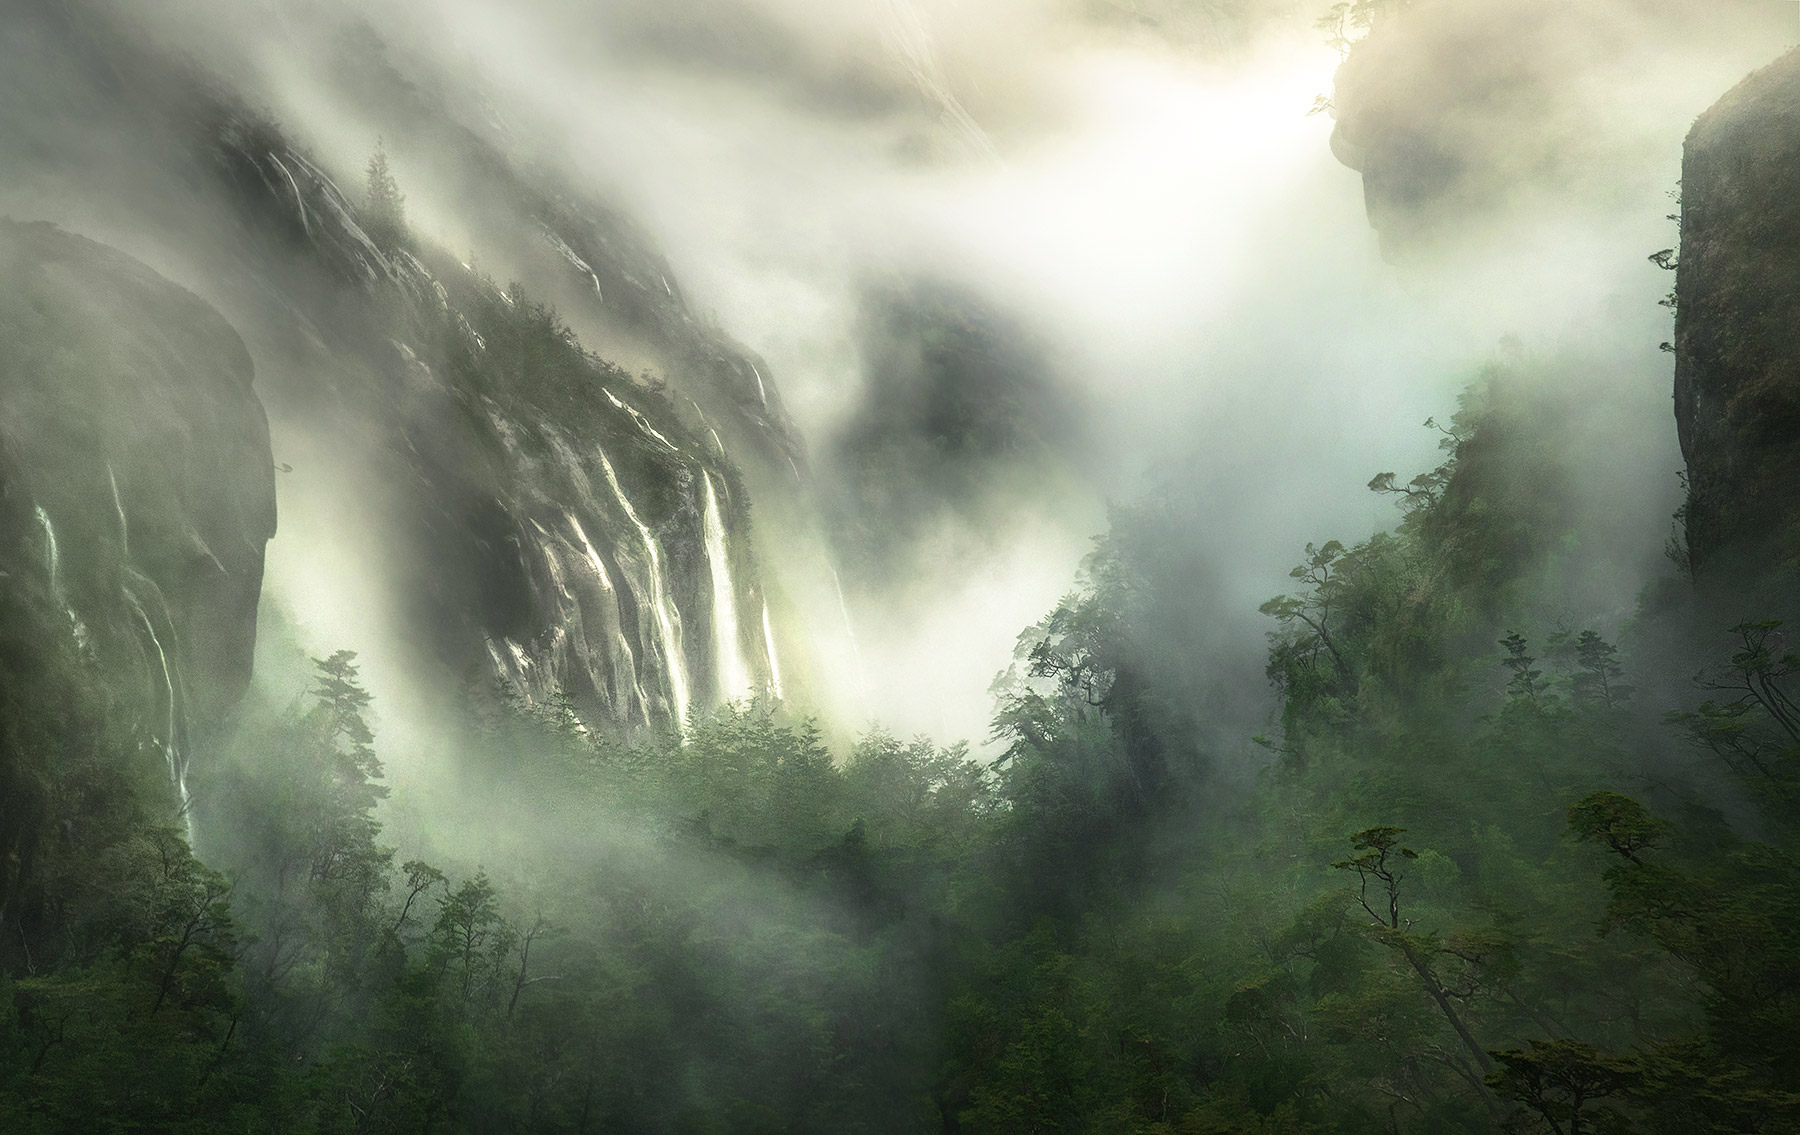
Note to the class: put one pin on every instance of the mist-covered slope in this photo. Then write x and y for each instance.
(538, 514)
(597, 266)
(552, 518)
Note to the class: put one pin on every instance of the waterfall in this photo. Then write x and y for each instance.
(568, 612)
(499, 661)
(299, 198)
(52, 559)
(774, 662)
(733, 672)
(625, 653)
(668, 619)
(717, 444)
(119, 507)
(53, 565)
(642, 422)
(173, 739)
(761, 390)
(171, 745)
(862, 678)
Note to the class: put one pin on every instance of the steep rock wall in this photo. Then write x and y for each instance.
(136, 479)
(559, 526)
(526, 509)
(1737, 335)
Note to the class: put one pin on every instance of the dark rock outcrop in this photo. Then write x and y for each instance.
(1737, 335)
(136, 483)
(967, 422)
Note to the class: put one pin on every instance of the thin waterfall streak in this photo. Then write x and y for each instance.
(568, 611)
(52, 558)
(500, 666)
(171, 738)
(606, 585)
(119, 508)
(642, 422)
(299, 199)
(862, 678)
(733, 671)
(53, 566)
(774, 662)
(909, 38)
(667, 617)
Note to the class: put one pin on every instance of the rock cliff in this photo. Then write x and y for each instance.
(558, 524)
(136, 483)
(527, 509)
(1737, 334)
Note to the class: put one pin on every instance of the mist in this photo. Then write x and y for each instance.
(1163, 215)
(815, 475)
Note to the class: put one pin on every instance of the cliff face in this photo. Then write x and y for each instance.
(601, 271)
(558, 525)
(528, 510)
(1737, 334)
(136, 484)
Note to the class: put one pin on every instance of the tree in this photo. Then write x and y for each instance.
(471, 940)
(1597, 682)
(1526, 682)
(1558, 1080)
(1753, 725)
(1381, 868)
(384, 207)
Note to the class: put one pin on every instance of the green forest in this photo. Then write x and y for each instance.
(526, 778)
(1494, 871)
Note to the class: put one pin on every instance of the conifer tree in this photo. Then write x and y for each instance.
(384, 206)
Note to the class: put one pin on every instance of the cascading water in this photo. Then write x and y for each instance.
(52, 559)
(119, 507)
(53, 568)
(643, 423)
(733, 671)
(568, 612)
(626, 661)
(172, 733)
(774, 662)
(862, 680)
(174, 728)
(668, 619)
(501, 666)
